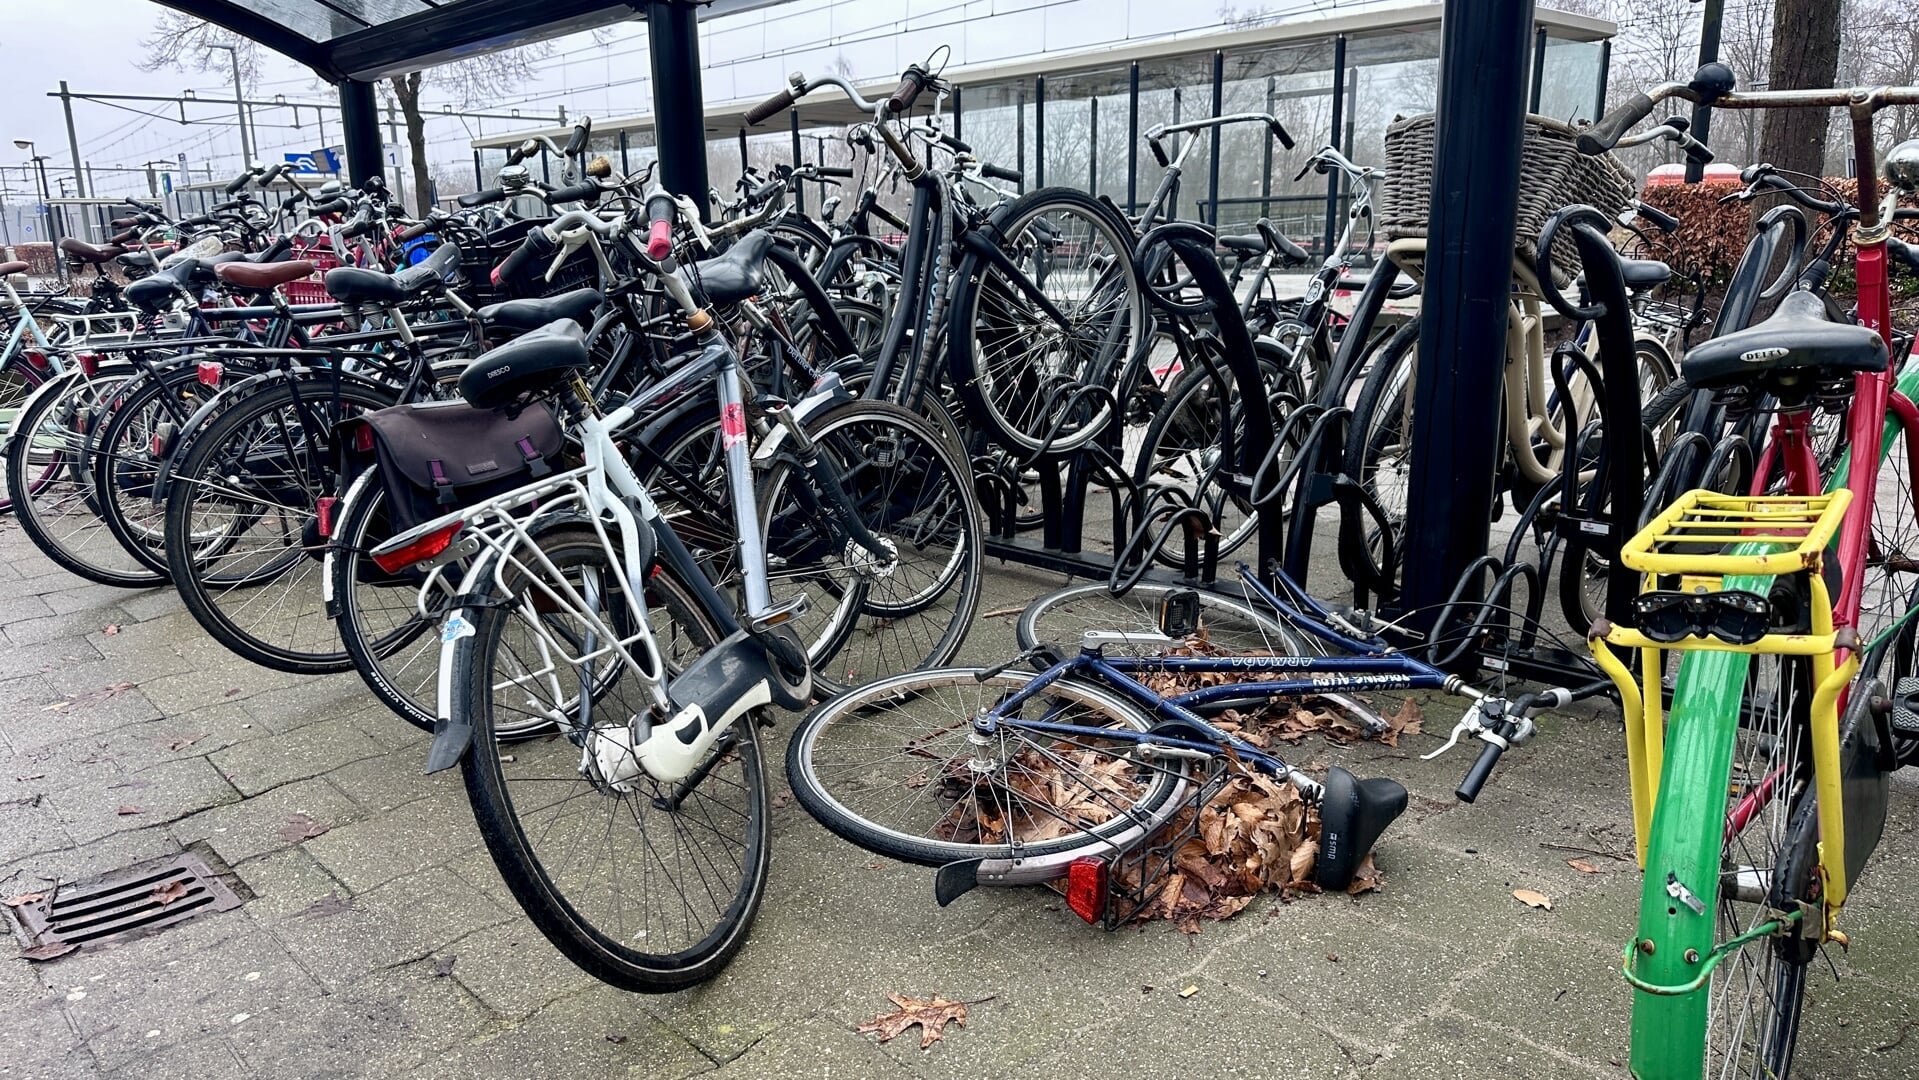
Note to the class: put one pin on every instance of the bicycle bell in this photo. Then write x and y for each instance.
(515, 179)
(1902, 166)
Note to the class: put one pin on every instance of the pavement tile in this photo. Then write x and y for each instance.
(83, 623)
(513, 970)
(416, 836)
(817, 1047)
(211, 1058)
(165, 792)
(37, 1043)
(151, 604)
(400, 922)
(384, 1025)
(45, 657)
(91, 597)
(309, 701)
(37, 713)
(285, 883)
(84, 862)
(570, 1038)
(1455, 1046)
(394, 780)
(262, 764)
(243, 830)
(1551, 971)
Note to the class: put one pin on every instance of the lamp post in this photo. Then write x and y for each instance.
(239, 106)
(46, 200)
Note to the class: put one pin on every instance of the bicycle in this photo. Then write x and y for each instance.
(553, 623)
(1758, 797)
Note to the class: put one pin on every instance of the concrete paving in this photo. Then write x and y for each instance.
(388, 946)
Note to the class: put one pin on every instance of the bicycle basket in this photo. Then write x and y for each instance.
(487, 250)
(1552, 174)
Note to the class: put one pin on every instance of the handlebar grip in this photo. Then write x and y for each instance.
(772, 106)
(1482, 770)
(358, 227)
(767, 191)
(533, 250)
(578, 142)
(1902, 253)
(1665, 221)
(126, 237)
(954, 145)
(912, 81)
(330, 206)
(197, 219)
(482, 197)
(122, 223)
(1604, 135)
(584, 191)
(234, 185)
(1000, 172)
(659, 229)
(1698, 151)
(1279, 132)
(414, 233)
(841, 171)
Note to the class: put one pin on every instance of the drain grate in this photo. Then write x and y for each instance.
(141, 898)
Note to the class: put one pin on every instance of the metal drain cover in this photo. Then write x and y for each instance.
(141, 898)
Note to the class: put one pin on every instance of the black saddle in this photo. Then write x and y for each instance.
(577, 305)
(1643, 274)
(738, 274)
(1242, 245)
(353, 285)
(145, 258)
(525, 367)
(1798, 340)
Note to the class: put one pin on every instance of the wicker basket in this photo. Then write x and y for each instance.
(1553, 174)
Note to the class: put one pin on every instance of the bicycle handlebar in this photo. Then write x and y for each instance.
(1000, 172)
(482, 197)
(1665, 221)
(912, 81)
(1763, 175)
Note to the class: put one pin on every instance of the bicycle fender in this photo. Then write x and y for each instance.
(219, 403)
(451, 734)
(57, 384)
(827, 393)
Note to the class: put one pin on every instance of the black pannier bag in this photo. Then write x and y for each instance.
(438, 456)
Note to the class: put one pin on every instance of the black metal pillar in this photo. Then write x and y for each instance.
(1605, 70)
(1132, 139)
(679, 106)
(1539, 70)
(1212, 179)
(624, 167)
(1092, 144)
(959, 112)
(1266, 169)
(1039, 131)
(1019, 138)
(799, 190)
(479, 178)
(1710, 18)
(1469, 256)
(1332, 139)
(361, 120)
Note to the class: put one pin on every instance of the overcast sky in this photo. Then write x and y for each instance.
(95, 46)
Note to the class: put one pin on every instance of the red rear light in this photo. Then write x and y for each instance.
(211, 371)
(419, 550)
(363, 438)
(157, 446)
(89, 362)
(1086, 887)
(326, 505)
(36, 358)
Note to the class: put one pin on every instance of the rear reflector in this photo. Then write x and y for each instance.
(326, 505)
(1086, 887)
(89, 362)
(419, 550)
(36, 358)
(211, 372)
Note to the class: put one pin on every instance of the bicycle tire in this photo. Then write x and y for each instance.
(1379, 440)
(1058, 618)
(397, 656)
(971, 689)
(46, 457)
(125, 470)
(536, 873)
(280, 497)
(18, 380)
(1019, 404)
(912, 488)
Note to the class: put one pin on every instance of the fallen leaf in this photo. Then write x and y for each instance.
(1582, 866)
(443, 966)
(26, 801)
(231, 692)
(134, 782)
(184, 741)
(48, 951)
(111, 629)
(24, 899)
(302, 827)
(32, 776)
(1533, 899)
(616, 1039)
(330, 904)
(168, 893)
(125, 811)
(932, 1017)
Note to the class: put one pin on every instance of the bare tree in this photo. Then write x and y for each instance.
(184, 43)
(1805, 54)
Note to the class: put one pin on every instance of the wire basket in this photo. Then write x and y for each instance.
(312, 290)
(1139, 873)
(1553, 174)
(481, 252)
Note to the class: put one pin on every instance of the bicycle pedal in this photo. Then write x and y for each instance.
(1905, 707)
(784, 611)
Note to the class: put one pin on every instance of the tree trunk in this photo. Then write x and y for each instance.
(406, 91)
(1805, 55)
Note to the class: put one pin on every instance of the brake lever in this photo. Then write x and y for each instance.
(1470, 724)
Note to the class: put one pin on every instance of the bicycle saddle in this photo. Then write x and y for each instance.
(8, 269)
(1242, 245)
(260, 276)
(144, 258)
(1352, 814)
(1643, 274)
(527, 366)
(1797, 338)
(577, 305)
(353, 285)
(736, 275)
(90, 253)
(157, 291)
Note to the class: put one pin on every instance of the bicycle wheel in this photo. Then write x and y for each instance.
(126, 467)
(1379, 444)
(893, 767)
(54, 497)
(253, 478)
(1232, 626)
(19, 378)
(1015, 365)
(377, 614)
(646, 886)
(868, 615)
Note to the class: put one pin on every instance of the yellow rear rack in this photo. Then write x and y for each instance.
(1802, 527)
